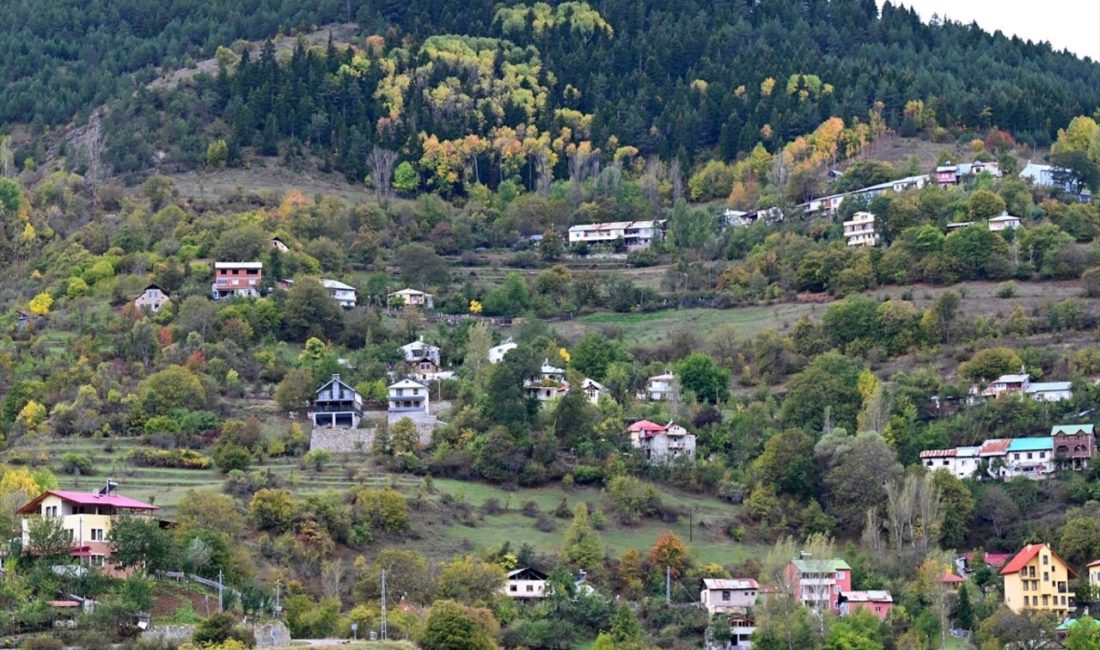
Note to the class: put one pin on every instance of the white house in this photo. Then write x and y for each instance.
(960, 462)
(497, 352)
(634, 234)
(831, 203)
(593, 390)
(662, 387)
(860, 230)
(279, 245)
(1004, 221)
(152, 298)
(411, 298)
(1030, 457)
(551, 384)
(721, 596)
(525, 583)
(1048, 176)
(1040, 391)
(343, 294)
(408, 396)
(662, 443)
(418, 349)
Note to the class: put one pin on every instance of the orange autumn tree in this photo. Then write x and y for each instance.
(669, 551)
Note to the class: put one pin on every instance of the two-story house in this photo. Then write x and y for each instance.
(1074, 445)
(549, 385)
(723, 596)
(633, 234)
(408, 396)
(961, 462)
(662, 387)
(411, 298)
(342, 294)
(237, 279)
(1030, 457)
(152, 298)
(418, 350)
(337, 405)
(877, 602)
(1037, 579)
(88, 517)
(1003, 221)
(662, 443)
(1094, 574)
(819, 583)
(860, 230)
(525, 583)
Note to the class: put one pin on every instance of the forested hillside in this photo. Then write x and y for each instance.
(683, 80)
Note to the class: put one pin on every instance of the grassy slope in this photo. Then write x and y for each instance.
(436, 532)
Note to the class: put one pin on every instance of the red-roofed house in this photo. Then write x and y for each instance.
(88, 516)
(1037, 579)
(876, 602)
(662, 443)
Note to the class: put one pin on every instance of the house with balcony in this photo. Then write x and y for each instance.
(662, 443)
(408, 396)
(632, 234)
(549, 385)
(662, 387)
(877, 602)
(724, 596)
(410, 298)
(87, 517)
(236, 279)
(1038, 580)
(152, 298)
(819, 583)
(418, 349)
(525, 583)
(342, 294)
(1029, 457)
(1074, 446)
(1020, 383)
(336, 405)
(860, 230)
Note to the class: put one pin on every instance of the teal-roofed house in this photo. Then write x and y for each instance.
(1030, 457)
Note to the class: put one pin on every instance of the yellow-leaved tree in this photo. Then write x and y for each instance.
(40, 304)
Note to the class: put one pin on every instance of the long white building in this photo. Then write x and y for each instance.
(635, 234)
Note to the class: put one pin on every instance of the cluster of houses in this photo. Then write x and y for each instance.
(634, 235)
(1020, 384)
(859, 231)
(1069, 447)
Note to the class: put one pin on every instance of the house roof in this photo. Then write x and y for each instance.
(592, 383)
(407, 383)
(87, 499)
(995, 560)
(995, 447)
(1071, 429)
(154, 286)
(724, 583)
(951, 579)
(665, 376)
(1028, 553)
(526, 573)
(646, 426)
(1052, 386)
(335, 378)
(939, 453)
(966, 452)
(1093, 563)
(1012, 379)
(410, 292)
(1031, 444)
(873, 596)
(1004, 218)
(816, 566)
(238, 265)
(336, 284)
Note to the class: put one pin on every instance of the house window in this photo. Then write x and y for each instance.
(97, 535)
(1046, 577)
(725, 595)
(530, 588)
(1027, 601)
(512, 588)
(1046, 559)
(1046, 600)
(97, 560)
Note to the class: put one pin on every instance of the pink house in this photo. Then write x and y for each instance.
(819, 583)
(875, 602)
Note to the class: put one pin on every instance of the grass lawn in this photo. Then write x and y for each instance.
(653, 328)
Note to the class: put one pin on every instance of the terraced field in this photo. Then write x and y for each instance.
(439, 530)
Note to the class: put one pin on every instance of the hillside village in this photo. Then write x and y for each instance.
(552, 329)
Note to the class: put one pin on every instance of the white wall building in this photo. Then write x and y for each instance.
(635, 234)
(860, 230)
(662, 387)
(525, 583)
(498, 352)
(721, 596)
(343, 294)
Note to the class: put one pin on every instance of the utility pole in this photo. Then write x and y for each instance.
(278, 605)
(668, 586)
(221, 589)
(382, 631)
(691, 524)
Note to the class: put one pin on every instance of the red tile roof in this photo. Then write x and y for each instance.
(951, 579)
(647, 427)
(87, 499)
(939, 453)
(995, 447)
(1028, 553)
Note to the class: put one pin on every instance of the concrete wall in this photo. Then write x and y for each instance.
(268, 635)
(342, 441)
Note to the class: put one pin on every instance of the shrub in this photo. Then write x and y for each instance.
(1090, 281)
(178, 458)
(230, 457)
(530, 509)
(41, 642)
(1006, 290)
(544, 523)
(74, 463)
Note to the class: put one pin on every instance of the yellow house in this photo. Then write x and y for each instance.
(88, 516)
(1037, 579)
(1094, 573)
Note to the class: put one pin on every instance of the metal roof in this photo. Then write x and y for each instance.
(938, 453)
(725, 583)
(1031, 444)
(1071, 429)
(994, 447)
